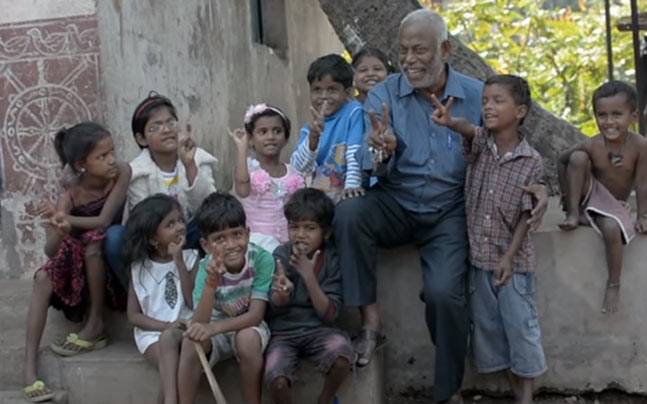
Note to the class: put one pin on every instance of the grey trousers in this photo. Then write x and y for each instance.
(376, 220)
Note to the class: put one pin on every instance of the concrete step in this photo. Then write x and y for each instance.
(15, 396)
(119, 374)
(14, 303)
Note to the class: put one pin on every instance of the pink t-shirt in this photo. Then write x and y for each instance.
(264, 205)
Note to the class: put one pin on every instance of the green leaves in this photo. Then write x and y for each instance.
(561, 52)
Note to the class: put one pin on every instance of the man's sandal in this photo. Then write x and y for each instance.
(74, 345)
(38, 392)
(366, 343)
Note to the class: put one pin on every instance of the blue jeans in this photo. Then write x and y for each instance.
(505, 327)
(113, 246)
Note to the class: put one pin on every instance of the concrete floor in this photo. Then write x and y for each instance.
(608, 397)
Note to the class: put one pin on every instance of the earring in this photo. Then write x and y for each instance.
(82, 170)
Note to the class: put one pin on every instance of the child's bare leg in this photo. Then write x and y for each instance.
(526, 387)
(513, 380)
(250, 355)
(152, 354)
(169, 346)
(614, 252)
(336, 375)
(95, 269)
(281, 391)
(578, 182)
(36, 319)
(189, 371)
(370, 317)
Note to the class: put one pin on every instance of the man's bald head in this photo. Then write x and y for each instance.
(425, 17)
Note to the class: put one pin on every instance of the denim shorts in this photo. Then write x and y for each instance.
(505, 328)
(322, 346)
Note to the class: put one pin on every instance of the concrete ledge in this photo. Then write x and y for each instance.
(119, 374)
(585, 349)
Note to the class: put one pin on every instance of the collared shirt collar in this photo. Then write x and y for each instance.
(523, 149)
(453, 86)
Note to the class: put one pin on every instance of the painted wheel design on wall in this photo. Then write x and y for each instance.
(33, 118)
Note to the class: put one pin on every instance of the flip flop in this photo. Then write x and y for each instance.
(74, 345)
(37, 392)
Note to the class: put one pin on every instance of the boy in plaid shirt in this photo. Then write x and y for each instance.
(506, 333)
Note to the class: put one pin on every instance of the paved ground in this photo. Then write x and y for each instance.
(610, 397)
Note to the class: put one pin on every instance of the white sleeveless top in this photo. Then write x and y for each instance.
(158, 290)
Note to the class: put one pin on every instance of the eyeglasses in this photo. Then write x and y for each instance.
(158, 127)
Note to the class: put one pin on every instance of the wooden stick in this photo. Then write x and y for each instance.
(215, 389)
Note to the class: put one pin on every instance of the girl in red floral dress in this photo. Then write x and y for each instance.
(74, 278)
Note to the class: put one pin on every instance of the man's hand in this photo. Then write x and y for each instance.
(381, 141)
(281, 284)
(316, 126)
(540, 196)
(442, 114)
(503, 271)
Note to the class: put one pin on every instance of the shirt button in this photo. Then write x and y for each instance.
(432, 161)
(490, 191)
(487, 217)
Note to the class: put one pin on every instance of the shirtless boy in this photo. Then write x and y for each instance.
(597, 176)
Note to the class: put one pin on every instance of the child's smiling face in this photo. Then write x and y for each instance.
(614, 116)
(170, 230)
(369, 72)
(268, 137)
(160, 132)
(328, 95)
(231, 244)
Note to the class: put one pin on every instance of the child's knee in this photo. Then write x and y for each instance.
(93, 250)
(171, 337)
(248, 343)
(42, 281)
(280, 384)
(340, 363)
(610, 229)
(579, 159)
(188, 352)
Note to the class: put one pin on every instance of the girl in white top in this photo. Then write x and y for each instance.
(161, 285)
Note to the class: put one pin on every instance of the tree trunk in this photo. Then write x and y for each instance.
(376, 22)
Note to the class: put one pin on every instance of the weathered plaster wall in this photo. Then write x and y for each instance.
(63, 61)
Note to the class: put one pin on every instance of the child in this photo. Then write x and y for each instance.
(597, 175)
(74, 276)
(371, 67)
(306, 299)
(327, 145)
(231, 290)
(159, 295)
(168, 163)
(264, 183)
(505, 334)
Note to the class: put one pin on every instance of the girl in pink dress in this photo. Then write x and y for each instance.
(262, 182)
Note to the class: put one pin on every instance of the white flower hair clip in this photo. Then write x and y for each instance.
(254, 110)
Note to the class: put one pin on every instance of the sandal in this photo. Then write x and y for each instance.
(366, 344)
(74, 345)
(38, 392)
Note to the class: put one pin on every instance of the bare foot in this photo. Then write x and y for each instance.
(611, 298)
(570, 223)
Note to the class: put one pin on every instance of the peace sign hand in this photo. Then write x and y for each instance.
(281, 283)
(215, 271)
(316, 126)
(442, 114)
(382, 141)
(187, 146)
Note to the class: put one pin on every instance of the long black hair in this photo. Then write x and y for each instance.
(142, 226)
(75, 144)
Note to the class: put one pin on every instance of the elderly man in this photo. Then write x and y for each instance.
(419, 195)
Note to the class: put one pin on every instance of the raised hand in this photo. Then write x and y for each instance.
(175, 248)
(442, 114)
(215, 271)
(240, 138)
(381, 141)
(316, 126)
(304, 266)
(281, 283)
(187, 146)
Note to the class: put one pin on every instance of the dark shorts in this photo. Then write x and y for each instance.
(322, 346)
